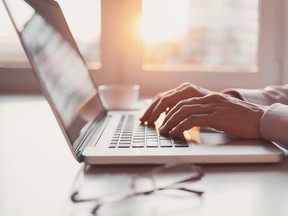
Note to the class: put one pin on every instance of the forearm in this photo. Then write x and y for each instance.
(274, 122)
(266, 96)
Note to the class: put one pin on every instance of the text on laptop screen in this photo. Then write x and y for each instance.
(56, 59)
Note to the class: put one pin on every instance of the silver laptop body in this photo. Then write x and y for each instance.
(92, 132)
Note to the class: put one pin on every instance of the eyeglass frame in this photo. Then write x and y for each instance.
(117, 197)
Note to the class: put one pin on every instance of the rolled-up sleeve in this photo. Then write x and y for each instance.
(274, 124)
(266, 96)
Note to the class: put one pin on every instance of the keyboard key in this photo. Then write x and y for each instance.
(126, 145)
(180, 145)
(112, 145)
(166, 143)
(138, 144)
(152, 144)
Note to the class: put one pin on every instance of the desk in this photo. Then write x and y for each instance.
(37, 172)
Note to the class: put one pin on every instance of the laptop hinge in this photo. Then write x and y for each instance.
(81, 143)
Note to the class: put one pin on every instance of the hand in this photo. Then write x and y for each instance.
(222, 112)
(165, 100)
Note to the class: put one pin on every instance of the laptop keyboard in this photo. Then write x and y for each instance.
(131, 134)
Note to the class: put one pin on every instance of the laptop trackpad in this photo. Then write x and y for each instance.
(211, 137)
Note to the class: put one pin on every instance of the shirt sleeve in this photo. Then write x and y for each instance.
(266, 96)
(274, 124)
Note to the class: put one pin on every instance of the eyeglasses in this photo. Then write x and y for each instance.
(166, 177)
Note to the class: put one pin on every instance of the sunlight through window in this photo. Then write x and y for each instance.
(200, 34)
(168, 24)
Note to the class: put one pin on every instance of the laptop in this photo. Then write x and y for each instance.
(99, 136)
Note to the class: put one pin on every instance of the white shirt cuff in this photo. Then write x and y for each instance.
(274, 124)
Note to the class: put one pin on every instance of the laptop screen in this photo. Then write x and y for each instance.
(57, 62)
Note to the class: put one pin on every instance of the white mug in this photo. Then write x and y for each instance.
(119, 96)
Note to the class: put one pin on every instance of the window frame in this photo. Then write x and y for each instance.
(18, 80)
(284, 71)
(121, 55)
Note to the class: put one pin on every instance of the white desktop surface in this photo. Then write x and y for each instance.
(37, 171)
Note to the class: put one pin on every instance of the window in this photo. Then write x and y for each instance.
(262, 67)
(84, 20)
(200, 34)
(216, 44)
(11, 52)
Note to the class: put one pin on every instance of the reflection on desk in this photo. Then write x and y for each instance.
(37, 173)
(36, 166)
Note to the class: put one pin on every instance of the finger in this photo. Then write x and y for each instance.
(198, 120)
(155, 109)
(173, 111)
(149, 110)
(179, 105)
(182, 114)
(163, 104)
(170, 100)
(155, 103)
